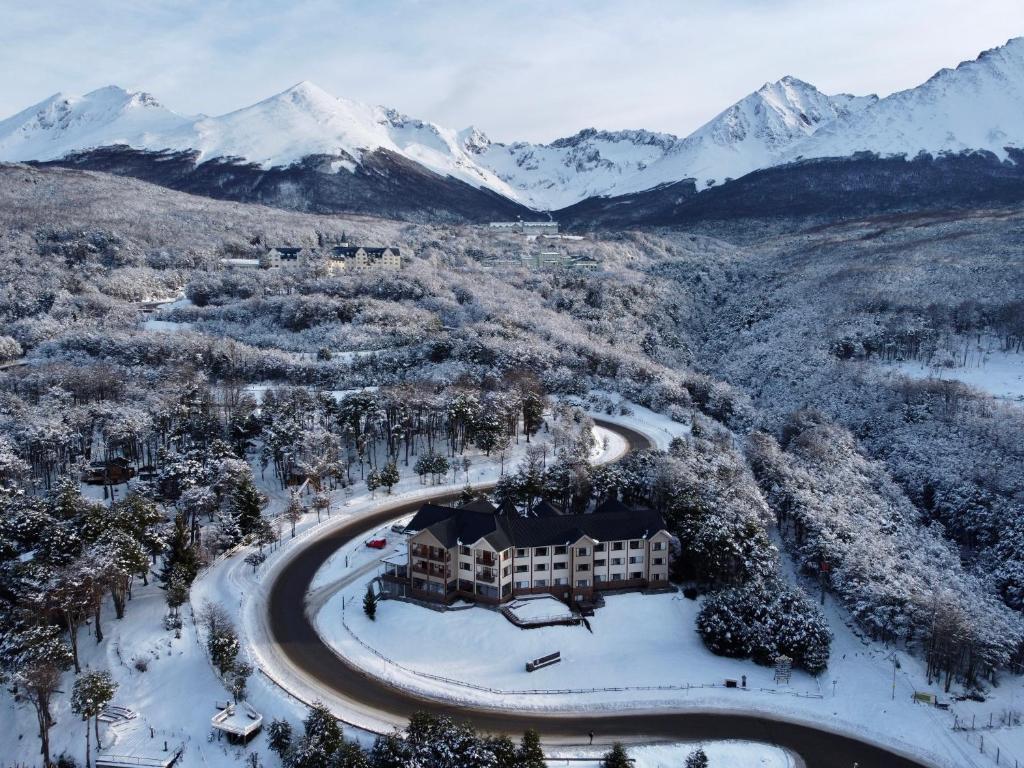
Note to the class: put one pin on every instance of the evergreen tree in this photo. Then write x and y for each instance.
(503, 752)
(616, 757)
(530, 753)
(322, 729)
(293, 512)
(373, 482)
(390, 751)
(279, 737)
(370, 604)
(247, 506)
(697, 759)
(180, 558)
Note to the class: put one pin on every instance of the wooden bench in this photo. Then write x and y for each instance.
(544, 661)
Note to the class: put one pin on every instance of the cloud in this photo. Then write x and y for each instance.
(525, 70)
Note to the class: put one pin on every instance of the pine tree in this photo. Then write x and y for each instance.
(322, 728)
(373, 482)
(370, 604)
(246, 506)
(616, 757)
(279, 737)
(530, 753)
(293, 512)
(181, 561)
(91, 693)
(697, 759)
(390, 751)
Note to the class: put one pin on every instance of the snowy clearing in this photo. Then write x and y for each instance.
(1001, 374)
(721, 754)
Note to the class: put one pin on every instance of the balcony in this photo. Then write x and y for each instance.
(431, 569)
(489, 561)
(430, 553)
(487, 576)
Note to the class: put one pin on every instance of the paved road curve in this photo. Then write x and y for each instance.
(292, 630)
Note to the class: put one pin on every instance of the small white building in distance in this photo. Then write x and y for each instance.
(526, 227)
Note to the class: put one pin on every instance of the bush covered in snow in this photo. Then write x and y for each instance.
(763, 620)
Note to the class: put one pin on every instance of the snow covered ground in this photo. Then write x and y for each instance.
(721, 754)
(477, 657)
(999, 373)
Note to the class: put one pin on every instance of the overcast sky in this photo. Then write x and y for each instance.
(526, 70)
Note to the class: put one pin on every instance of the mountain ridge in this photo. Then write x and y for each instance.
(974, 106)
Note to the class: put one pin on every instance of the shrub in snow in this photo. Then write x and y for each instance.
(697, 759)
(765, 619)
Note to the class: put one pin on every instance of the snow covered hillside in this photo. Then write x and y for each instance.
(973, 107)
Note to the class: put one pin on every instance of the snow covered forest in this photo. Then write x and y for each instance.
(905, 497)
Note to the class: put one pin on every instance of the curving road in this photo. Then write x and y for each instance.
(293, 632)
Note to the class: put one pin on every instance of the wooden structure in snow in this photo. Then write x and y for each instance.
(238, 721)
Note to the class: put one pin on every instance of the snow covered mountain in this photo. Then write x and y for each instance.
(753, 133)
(304, 129)
(978, 105)
(63, 124)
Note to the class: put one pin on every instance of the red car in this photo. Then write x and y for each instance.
(377, 543)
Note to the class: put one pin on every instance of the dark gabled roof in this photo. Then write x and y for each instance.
(610, 505)
(348, 251)
(465, 526)
(452, 526)
(480, 505)
(508, 509)
(288, 250)
(546, 509)
(565, 529)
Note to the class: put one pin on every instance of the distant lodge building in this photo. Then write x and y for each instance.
(526, 227)
(543, 260)
(339, 258)
(477, 552)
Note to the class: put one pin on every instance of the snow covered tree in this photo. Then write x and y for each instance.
(389, 751)
(92, 691)
(35, 658)
(373, 482)
(531, 755)
(247, 506)
(697, 759)
(616, 757)
(389, 476)
(240, 673)
(294, 511)
(279, 737)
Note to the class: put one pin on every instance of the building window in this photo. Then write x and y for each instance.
(657, 546)
(636, 575)
(582, 567)
(465, 567)
(559, 566)
(636, 560)
(634, 545)
(540, 583)
(659, 560)
(599, 547)
(600, 563)
(522, 585)
(506, 570)
(540, 552)
(616, 561)
(561, 550)
(616, 546)
(465, 551)
(582, 582)
(560, 582)
(520, 553)
(597, 578)
(655, 577)
(616, 577)
(582, 551)
(522, 568)
(540, 567)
